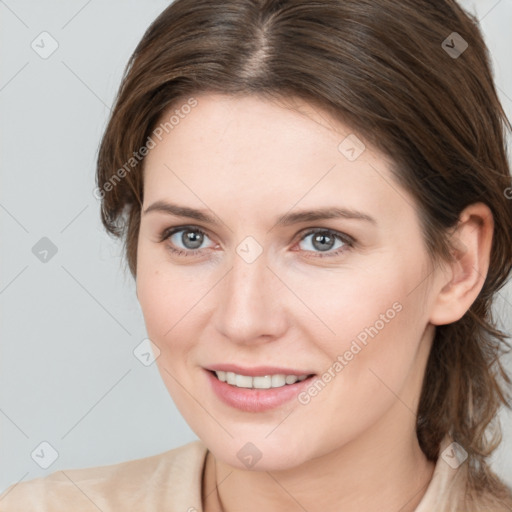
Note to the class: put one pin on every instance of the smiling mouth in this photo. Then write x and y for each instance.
(260, 382)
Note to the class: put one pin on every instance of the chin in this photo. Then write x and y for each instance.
(255, 453)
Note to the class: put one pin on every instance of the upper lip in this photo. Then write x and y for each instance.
(258, 371)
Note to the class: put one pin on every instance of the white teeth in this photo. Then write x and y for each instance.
(242, 381)
(291, 379)
(260, 382)
(278, 380)
(263, 382)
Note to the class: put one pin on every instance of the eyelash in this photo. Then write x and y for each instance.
(348, 241)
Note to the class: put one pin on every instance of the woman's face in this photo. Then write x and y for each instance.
(344, 296)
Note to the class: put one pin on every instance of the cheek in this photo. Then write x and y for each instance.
(380, 344)
(354, 302)
(165, 303)
(172, 299)
(376, 317)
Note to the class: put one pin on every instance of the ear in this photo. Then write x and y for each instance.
(462, 279)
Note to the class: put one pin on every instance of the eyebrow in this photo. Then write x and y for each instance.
(284, 220)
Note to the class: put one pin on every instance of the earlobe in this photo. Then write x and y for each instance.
(460, 285)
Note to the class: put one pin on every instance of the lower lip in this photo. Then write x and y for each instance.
(256, 400)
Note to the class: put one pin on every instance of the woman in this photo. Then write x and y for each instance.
(313, 199)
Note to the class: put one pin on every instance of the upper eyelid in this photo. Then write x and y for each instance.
(309, 231)
(166, 233)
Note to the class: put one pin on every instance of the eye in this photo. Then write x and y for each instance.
(324, 240)
(191, 238)
(187, 241)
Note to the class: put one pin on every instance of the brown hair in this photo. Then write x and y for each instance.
(388, 70)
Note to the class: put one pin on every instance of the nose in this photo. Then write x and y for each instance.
(251, 303)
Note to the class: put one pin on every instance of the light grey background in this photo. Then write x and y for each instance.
(68, 375)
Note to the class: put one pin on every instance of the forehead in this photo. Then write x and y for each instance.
(258, 152)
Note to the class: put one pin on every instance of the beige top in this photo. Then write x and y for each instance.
(172, 482)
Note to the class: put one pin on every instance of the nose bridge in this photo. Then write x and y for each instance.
(249, 307)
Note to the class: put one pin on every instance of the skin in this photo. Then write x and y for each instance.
(353, 447)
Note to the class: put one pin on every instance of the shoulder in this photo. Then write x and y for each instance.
(452, 490)
(146, 484)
